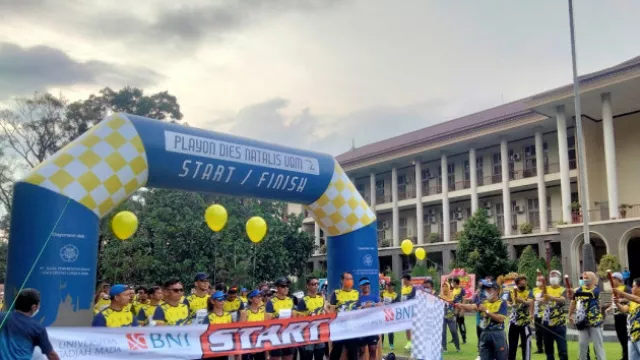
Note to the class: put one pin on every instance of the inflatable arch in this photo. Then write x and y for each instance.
(57, 207)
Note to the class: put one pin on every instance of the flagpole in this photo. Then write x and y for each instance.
(588, 257)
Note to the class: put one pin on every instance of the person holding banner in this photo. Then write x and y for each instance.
(389, 296)
(493, 312)
(553, 318)
(280, 306)
(116, 315)
(312, 304)
(233, 304)
(215, 309)
(173, 311)
(407, 292)
(197, 301)
(253, 312)
(20, 333)
(344, 299)
(145, 314)
(365, 301)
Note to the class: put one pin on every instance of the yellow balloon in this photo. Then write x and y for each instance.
(216, 217)
(124, 224)
(256, 229)
(406, 246)
(420, 253)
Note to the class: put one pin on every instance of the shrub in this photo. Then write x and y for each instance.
(526, 228)
(608, 262)
(433, 238)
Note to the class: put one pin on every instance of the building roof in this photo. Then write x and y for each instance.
(482, 119)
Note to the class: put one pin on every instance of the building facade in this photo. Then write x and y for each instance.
(519, 162)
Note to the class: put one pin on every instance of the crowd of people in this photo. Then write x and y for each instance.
(543, 308)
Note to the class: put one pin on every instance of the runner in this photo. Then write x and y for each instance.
(620, 318)
(101, 300)
(458, 297)
(538, 312)
(197, 301)
(145, 314)
(215, 309)
(389, 296)
(173, 311)
(365, 301)
(407, 292)
(233, 304)
(344, 299)
(446, 294)
(312, 304)
(633, 309)
(253, 312)
(141, 299)
(116, 315)
(280, 306)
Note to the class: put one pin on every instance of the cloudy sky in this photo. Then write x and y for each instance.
(311, 73)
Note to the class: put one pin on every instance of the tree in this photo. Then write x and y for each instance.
(556, 263)
(608, 262)
(420, 269)
(480, 249)
(4, 251)
(529, 263)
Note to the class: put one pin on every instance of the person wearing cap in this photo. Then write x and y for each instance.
(554, 319)
(388, 297)
(253, 312)
(459, 294)
(407, 292)
(312, 304)
(116, 315)
(244, 296)
(620, 318)
(173, 311)
(344, 299)
(197, 301)
(367, 300)
(585, 314)
(632, 308)
(145, 314)
(280, 306)
(446, 294)
(20, 333)
(521, 301)
(232, 303)
(215, 309)
(493, 312)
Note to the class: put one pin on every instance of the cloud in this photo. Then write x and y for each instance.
(267, 121)
(166, 25)
(25, 70)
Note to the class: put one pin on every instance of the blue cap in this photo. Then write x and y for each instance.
(489, 284)
(118, 289)
(218, 295)
(364, 282)
(254, 293)
(201, 276)
(243, 290)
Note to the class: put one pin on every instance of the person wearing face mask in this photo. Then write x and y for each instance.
(389, 296)
(344, 299)
(20, 333)
(632, 308)
(584, 313)
(620, 318)
(446, 294)
(117, 315)
(478, 297)
(553, 317)
(521, 301)
(538, 312)
(459, 294)
(493, 312)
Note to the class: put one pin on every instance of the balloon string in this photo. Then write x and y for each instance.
(115, 280)
(15, 298)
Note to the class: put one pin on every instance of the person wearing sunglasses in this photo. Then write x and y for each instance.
(253, 312)
(173, 311)
(312, 304)
(215, 308)
(280, 306)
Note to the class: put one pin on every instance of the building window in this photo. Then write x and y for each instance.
(545, 150)
(480, 170)
(439, 176)
(453, 223)
(571, 144)
(402, 187)
(497, 168)
(360, 188)
(512, 165)
(529, 160)
(514, 215)
(549, 214)
(467, 174)
(380, 187)
(451, 176)
(533, 212)
(500, 217)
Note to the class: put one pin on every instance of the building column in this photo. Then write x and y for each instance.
(396, 213)
(610, 156)
(506, 192)
(317, 237)
(316, 265)
(474, 180)
(372, 191)
(512, 252)
(446, 226)
(563, 155)
(542, 186)
(419, 212)
(446, 261)
(396, 264)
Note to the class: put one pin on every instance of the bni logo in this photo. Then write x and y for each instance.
(137, 341)
(389, 315)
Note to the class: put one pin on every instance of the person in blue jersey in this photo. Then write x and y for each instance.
(344, 299)
(365, 301)
(20, 333)
(407, 292)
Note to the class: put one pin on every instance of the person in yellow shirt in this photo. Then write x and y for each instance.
(215, 308)
(344, 299)
(244, 296)
(116, 314)
(141, 299)
(280, 306)
(620, 318)
(232, 303)
(407, 292)
(198, 300)
(102, 300)
(172, 311)
(632, 308)
(538, 312)
(388, 297)
(554, 319)
(311, 304)
(253, 312)
(145, 314)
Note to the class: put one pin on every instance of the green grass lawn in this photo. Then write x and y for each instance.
(469, 351)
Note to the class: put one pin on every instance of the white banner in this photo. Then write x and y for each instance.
(197, 341)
